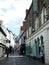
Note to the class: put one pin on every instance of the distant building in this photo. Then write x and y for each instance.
(22, 39)
(12, 41)
(6, 39)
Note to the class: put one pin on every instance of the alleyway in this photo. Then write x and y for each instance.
(16, 59)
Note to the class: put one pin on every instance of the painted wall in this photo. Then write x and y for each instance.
(43, 31)
(1, 51)
(2, 38)
(12, 43)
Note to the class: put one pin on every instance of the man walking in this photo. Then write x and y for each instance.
(7, 52)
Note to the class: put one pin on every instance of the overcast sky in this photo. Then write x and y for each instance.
(12, 12)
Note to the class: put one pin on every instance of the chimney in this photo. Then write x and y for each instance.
(1, 22)
(26, 11)
(21, 27)
(24, 23)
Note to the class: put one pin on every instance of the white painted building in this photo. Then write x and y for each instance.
(10, 37)
(12, 43)
(2, 39)
(5, 37)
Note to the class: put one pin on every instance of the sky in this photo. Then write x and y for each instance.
(12, 13)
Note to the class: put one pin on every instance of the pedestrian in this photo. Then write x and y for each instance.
(7, 52)
(10, 49)
(42, 56)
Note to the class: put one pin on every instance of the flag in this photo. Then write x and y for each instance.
(36, 6)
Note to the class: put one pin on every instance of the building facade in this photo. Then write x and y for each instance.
(2, 40)
(37, 37)
(6, 39)
(22, 38)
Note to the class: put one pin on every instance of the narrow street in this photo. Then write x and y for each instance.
(16, 59)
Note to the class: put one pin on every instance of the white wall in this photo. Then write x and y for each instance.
(12, 43)
(1, 51)
(44, 31)
(2, 36)
(47, 46)
(8, 35)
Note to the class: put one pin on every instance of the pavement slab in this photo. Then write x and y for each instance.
(19, 60)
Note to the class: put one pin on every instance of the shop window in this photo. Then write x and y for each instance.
(42, 43)
(38, 41)
(35, 41)
(36, 46)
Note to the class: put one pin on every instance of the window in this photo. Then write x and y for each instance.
(41, 40)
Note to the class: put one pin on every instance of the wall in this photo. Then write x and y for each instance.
(12, 43)
(44, 31)
(22, 38)
(47, 46)
(2, 38)
(1, 49)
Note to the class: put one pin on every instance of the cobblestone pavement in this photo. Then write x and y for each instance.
(18, 60)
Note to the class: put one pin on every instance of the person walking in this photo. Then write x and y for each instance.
(42, 56)
(7, 52)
